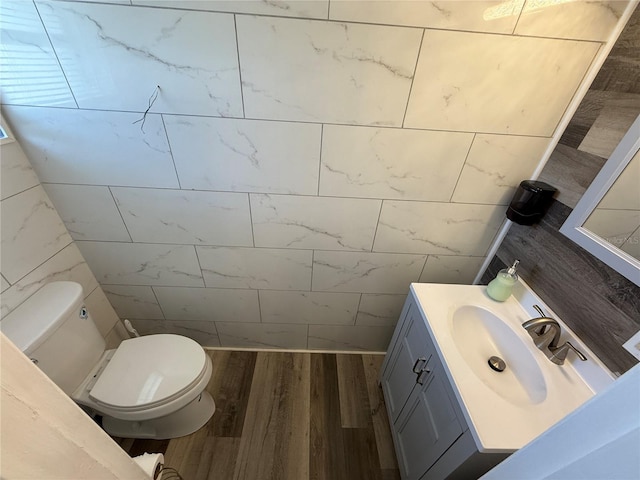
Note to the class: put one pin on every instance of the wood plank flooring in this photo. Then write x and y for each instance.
(287, 416)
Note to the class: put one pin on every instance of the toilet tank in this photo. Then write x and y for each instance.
(54, 329)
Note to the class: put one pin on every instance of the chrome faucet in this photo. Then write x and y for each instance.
(545, 332)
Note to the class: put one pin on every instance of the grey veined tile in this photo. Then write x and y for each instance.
(16, 173)
(365, 272)
(245, 155)
(314, 222)
(40, 80)
(114, 57)
(380, 310)
(184, 216)
(438, 228)
(94, 147)
(274, 269)
(309, 307)
(451, 269)
(89, 212)
(203, 332)
(401, 164)
(343, 67)
(280, 8)
(32, 231)
(211, 304)
(338, 337)
(262, 335)
(142, 264)
(496, 16)
(506, 93)
(131, 301)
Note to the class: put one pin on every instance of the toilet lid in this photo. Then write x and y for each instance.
(149, 370)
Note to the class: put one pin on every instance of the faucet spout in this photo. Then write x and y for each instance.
(544, 331)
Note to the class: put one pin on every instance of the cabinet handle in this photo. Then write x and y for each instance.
(415, 365)
(421, 376)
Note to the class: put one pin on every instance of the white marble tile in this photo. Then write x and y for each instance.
(131, 301)
(451, 269)
(204, 333)
(97, 148)
(278, 8)
(445, 228)
(624, 193)
(210, 304)
(68, 264)
(496, 16)
(89, 212)
(5, 284)
(365, 272)
(261, 335)
(594, 20)
(32, 232)
(117, 334)
(377, 310)
(338, 337)
(31, 74)
(309, 307)
(495, 167)
(274, 269)
(16, 174)
(142, 264)
(324, 71)
(101, 311)
(504, 94)
(313, 222)
(245, 155)
(115, 56)
(183, 216)
(391, 163)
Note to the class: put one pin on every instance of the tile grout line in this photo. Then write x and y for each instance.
(257, 119)
(173, 160)
(375, 232)
(64, 74)
(515, 26)
(253, 236)
(464, 164)
(195, 249)
(320, 159)
(115, 203)
(413, 78)
(235, 29)
(155, 295)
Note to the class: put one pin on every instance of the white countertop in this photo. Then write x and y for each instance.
(499, 424)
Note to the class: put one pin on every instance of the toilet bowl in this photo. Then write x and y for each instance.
(149, 387)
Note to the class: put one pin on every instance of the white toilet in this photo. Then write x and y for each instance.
(149, 387)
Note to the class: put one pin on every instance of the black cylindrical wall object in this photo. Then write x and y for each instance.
(530, 202)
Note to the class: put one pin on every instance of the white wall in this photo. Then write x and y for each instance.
(303, 162)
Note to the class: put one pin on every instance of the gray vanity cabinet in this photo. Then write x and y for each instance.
(431, 436)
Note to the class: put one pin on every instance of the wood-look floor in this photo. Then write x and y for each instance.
(283, 416)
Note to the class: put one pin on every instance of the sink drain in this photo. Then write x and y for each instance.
(497, 364)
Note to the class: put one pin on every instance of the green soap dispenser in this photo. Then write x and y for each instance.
(500, 287)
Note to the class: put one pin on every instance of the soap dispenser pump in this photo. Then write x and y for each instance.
(500, 287)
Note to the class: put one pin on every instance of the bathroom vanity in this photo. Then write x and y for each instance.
(452, 414)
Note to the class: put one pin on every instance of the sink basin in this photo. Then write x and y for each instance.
(479, 334)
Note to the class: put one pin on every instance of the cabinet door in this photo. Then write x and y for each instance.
(428, 425)
(408, 357)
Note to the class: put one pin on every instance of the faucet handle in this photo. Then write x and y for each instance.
(560, 353)
(539, 310)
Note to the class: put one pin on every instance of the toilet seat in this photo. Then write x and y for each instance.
(147, 376)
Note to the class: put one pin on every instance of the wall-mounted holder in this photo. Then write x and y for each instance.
(530, 202)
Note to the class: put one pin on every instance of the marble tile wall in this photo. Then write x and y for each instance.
(36, 247)
(300, 163)
(598, 303)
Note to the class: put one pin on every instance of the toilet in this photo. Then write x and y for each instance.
(149, 387)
